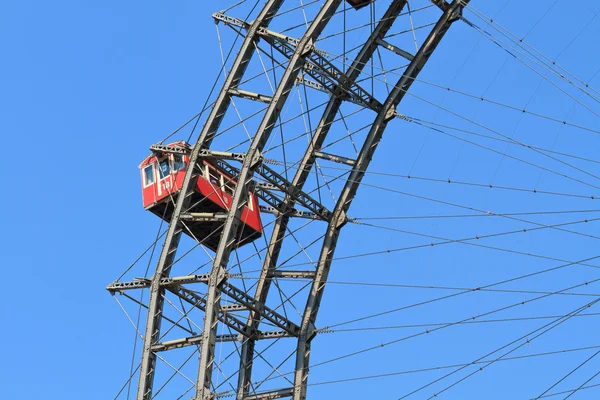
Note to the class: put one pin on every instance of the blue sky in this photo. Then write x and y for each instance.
(88, 86)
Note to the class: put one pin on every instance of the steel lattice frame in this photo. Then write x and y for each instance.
(343, 87)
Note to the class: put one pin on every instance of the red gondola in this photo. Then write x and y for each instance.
(162, 177)
(358, 4)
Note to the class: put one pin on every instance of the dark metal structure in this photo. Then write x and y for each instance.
(312, 67)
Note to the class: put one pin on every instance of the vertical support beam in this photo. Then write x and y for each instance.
(305, 167)
(347, 196)
(230, 228)
(156, 302)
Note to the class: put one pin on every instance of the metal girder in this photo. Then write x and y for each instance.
(197, 339)
(318, 66)
(350, 188)
(395, 49)
(174, 149)
(334, 158)
(305, 167)
(142, 283)
(215, 117)
(239, 199)
(293, 213)
(203, 217)
(244, 94)
(288, 274)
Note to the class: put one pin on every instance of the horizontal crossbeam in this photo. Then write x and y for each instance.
(293, 213)
(197, 339)
(141, 283)
(335, 158)
(250, 95)
(292, 274)
(395, 49)
(203, 217)
(172, 149)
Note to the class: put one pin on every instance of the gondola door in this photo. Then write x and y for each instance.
(165, 181)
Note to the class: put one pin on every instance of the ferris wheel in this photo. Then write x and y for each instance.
(255, 194)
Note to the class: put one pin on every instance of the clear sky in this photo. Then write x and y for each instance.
(86, 87)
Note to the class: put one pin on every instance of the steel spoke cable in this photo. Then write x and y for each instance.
(397, 217)
(171, 321)
(542, 226)
(429, 245)
(501, 135)
(477, 185)
(470, 208)
(548, 64)
(173, 375)
(307, 133)
(540, 20)
(142, 337)
(521, 43)
(498, 283)
(473, 184)
(569, 391)
(454, 323)
(139, 313)
(127, 381)
(497, 139)
(184, 315)
(532, 164)
(214, 85)
(442, 367)
(234, 6)
(513, 53)
(432, 287)
(568, 374)
(412, 26)
(412, 326)
(438, 287)
(273, 343)
(519, 109)
(507, 106)
(525, 339)
(280, 13)
(582, 385)
(415, 120)
(268, 377)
